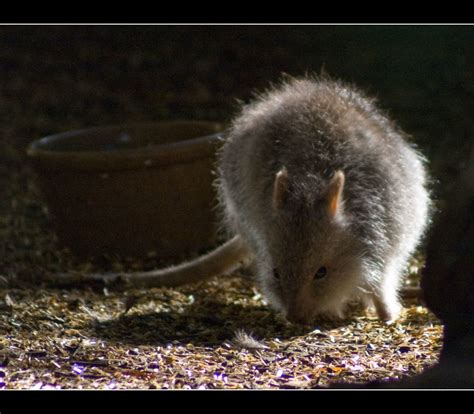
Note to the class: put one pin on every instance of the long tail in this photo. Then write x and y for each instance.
(222, 260)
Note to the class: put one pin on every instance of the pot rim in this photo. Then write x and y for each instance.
(151, 156)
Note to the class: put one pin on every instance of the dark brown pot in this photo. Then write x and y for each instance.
(131, 189)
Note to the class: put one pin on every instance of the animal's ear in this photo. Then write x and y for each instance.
(334, 195)
(280, 188)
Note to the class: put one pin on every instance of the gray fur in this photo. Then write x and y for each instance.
(313, 128)
(286, 157)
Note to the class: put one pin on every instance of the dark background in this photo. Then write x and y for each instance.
(56, 78)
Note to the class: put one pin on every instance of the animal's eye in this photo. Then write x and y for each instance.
(322, 271)
(276, 275)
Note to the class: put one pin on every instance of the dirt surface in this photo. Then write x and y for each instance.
(218, 334)
(214, 335)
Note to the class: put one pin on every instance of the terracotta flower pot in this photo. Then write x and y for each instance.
(131, 189)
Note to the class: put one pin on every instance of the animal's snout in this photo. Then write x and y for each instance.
(297, 315)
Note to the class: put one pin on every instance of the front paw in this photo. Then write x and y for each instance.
(388, 310)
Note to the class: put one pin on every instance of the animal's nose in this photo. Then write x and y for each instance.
(294, 315)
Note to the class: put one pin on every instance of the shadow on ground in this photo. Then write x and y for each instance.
(204, 323)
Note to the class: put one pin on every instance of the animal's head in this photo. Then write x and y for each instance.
(312, 263)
